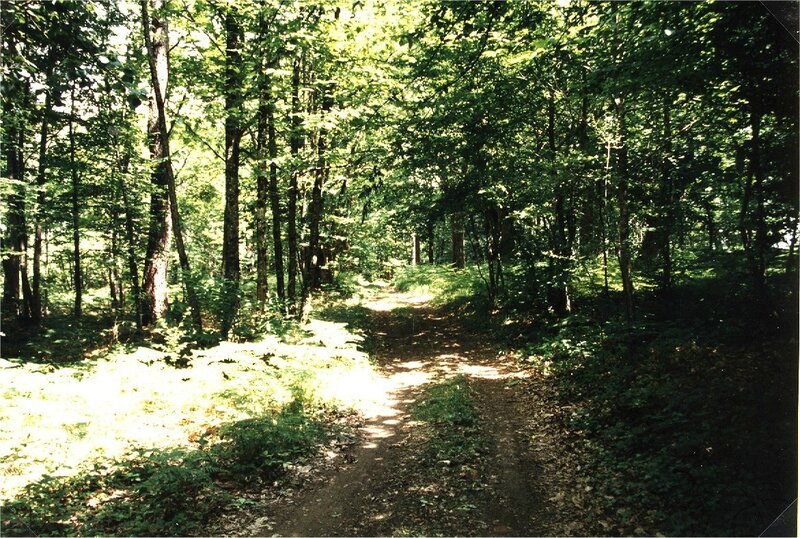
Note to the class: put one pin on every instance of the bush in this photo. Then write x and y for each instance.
(166, 492)
(449, 406)
(262, 445)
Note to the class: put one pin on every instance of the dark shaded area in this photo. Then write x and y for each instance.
(689, 412)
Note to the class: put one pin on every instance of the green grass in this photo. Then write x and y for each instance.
(164, 492)
(446, 286)
(448, 407)
(106, 444)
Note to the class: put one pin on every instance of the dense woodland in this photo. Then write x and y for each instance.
(608, 174)
(277, 146)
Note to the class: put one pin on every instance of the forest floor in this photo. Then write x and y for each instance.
(507, 475)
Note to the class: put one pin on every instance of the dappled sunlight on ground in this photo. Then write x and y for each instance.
(389, 302)
(57, 420)
(412, 360)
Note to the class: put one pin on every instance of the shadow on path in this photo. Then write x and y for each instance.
(378, 491)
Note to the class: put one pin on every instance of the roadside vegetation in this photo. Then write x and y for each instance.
(684, 418)
(130, 443)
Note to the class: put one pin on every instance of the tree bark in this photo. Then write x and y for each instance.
(36, 306)
(130, 238)
(233, 136)
(430, 240)
(315, 254)
(76, 237)
(667, 202)
(156, 265)
(295, 144)
(623, 225)
(457, 236)
(159, 75)
(415, 249)
(13, 262)
(268, 150)
(261, 201)
(559, 291)
(761, 240)
(15, 94)
(274, 198)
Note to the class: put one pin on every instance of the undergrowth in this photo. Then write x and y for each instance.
(135, 442)
(165, 492)
(448, 406)
(688, 418)
(455, 289)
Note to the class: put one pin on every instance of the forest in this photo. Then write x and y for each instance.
(399, 267)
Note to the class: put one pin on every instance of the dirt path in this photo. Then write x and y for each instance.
(386, 486)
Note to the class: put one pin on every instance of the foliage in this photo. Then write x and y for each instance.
(646, 398)
(619, 179)
(231, 412)
(163, 492)
(448, 406)
(443, 285)
(261, 446)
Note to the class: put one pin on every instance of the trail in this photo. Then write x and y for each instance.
(386, 488)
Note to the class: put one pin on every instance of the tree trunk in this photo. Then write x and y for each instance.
(261, 202)
(159, 75)
(130, 238)
(559, 291)
(315, 254)
(295, 144)
(457, 235)
(274, 198)
(667, 202)
(603, 218)
(14, 262)
(76, 238)
(430, 242)
(761, 240)
(624, 231)
(233, 136)
(156, 264)
(36, 307)
(415, 249)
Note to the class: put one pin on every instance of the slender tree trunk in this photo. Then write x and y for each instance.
(761, 240)
(415, 249)
(315, 254)
(711, 226)
(791, 259)
(76, 238)
(624, 231)
(15, 200)
(233, 136)
(261, 202)
(15, 262)
(130, 238)
(559, 292)
(457, 235)
(274, 198)
(156, 265)
(667, 201)
(12, 262)
(295, 144)
(604, 218)
(431, 238)
(36, 307)
(159, 75)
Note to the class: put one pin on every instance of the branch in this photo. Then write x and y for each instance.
(204, 142)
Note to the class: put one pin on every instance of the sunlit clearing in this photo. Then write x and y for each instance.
(56, 421)
(399, 300)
